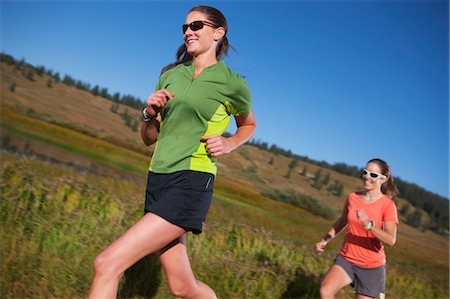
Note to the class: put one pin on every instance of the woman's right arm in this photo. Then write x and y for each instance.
(337, 227)
(150, 131)
(155, 103)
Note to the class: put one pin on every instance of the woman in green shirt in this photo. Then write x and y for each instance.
(186, 117)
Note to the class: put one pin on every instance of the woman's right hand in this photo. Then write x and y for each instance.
(157, 101)
(320, 246)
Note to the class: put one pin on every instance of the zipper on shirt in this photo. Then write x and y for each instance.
(187, 87)
(193, 79)
(191, 73)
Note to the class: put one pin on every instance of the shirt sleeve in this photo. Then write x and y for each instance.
(390, 212)
(159, 84)
(241, 99)
(346, 205)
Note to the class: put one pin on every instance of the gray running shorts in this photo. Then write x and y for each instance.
(366, 281)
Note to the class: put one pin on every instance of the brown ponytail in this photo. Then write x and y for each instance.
(389, 187)
(218, 19)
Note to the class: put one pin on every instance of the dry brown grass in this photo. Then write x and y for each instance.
(65, 104)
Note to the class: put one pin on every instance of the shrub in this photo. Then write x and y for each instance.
(300, 200)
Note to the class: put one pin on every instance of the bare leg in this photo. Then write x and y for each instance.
(148, 235)
(176, 265)
(335, 279)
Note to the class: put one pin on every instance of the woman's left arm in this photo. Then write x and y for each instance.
(387, 234)
(219, 145)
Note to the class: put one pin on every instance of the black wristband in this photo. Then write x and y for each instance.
(327, 238)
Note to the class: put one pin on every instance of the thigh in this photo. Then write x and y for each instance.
(335, 279)
(175, 262)
(148, 235)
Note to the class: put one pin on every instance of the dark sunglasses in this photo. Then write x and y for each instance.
(373, 175)
(197, 25)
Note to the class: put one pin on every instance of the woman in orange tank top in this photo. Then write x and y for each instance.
(370, 219)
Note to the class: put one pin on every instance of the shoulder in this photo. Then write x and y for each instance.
(355, 195)
(389, 210)
(231, 75)
(352, 198)
(177, 68)
(387, 205)
(388, 202)
(172, 74)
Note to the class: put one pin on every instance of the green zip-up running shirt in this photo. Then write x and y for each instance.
(201, 106)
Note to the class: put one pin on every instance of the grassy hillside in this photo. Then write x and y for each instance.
(253, 246)
(55, 221)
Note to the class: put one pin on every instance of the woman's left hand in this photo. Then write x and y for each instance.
(362, 216)
(217, 145)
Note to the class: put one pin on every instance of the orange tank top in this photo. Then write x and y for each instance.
(360, 246)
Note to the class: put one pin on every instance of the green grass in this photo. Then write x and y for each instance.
(300, 200)
(75, 143)
(55, 221)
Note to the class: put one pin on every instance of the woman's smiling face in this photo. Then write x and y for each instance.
(371, 183)
(203, 40)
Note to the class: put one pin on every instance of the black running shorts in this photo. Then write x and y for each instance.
(182, 198)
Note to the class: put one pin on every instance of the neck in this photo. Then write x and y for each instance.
(203, 61)
(374, 194)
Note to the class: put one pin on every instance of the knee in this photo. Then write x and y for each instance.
(183, 290)
(104, 265)
(326, 291)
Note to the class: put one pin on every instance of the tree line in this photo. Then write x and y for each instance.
(319, 181)
(29, 71)
(421, 203)
(425, 210)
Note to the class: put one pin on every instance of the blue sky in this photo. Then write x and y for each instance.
(339, 81)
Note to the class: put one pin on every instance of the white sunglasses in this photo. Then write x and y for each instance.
(372, 175)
